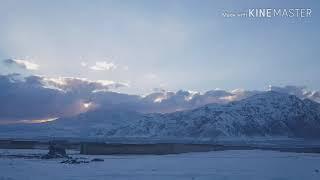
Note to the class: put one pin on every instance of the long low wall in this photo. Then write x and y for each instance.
(172, 148)
(28, 144)
(162, 148)
(10, 144)
(100, 148)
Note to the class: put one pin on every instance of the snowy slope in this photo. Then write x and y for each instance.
(219, 165)
(267, 114)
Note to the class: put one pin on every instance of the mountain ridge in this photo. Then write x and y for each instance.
(269, 114)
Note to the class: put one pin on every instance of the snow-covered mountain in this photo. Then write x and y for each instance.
(266, 114)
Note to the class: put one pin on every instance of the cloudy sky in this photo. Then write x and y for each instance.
(169, 44)
(136, 46)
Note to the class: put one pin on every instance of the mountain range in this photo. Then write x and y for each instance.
(267, 114)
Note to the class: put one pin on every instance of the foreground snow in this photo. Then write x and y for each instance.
(246, 165)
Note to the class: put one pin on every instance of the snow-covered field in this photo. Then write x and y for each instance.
(237, 164)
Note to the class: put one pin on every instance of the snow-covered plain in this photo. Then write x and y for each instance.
(238, 165)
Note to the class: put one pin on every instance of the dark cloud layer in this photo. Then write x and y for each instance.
(36, 97)
(40, 97)
(27, 99)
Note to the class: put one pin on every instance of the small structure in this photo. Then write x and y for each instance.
(55, 151)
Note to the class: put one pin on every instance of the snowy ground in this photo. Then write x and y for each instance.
(224, 165)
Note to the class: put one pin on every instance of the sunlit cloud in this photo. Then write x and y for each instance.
(39, 120)
(87, 105)
(103, 66)
(81, 84)
(25, 64)
(32, 121)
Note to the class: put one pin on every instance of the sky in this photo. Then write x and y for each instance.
(141, 46)
(164, 44)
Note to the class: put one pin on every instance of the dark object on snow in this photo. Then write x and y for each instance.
(97, 160)
(316, 170)
(55, 151)
(73, 161)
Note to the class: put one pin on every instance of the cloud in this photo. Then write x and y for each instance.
(40, 97)
(34, 98)
(26, 98)
(103, 66)
(167, 101)
(300, 91)
(76, 84)
(31, 98)
(28, 65)
(238, 94)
